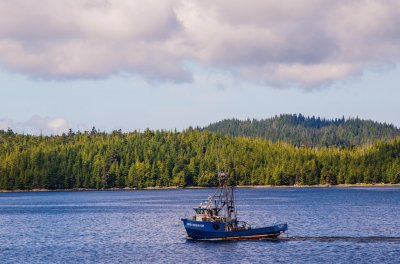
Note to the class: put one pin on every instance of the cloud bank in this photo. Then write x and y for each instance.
(37, 125)
(305, 42)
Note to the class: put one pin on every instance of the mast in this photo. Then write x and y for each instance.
(227, 195)
(233, 203)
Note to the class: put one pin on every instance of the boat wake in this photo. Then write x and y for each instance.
(369, 239)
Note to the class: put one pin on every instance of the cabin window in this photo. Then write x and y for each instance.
(216, 226)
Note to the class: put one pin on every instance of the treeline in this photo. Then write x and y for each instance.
(309, 131)
(190, 158)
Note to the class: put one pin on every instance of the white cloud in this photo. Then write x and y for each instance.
(304, 42)
(37, 125)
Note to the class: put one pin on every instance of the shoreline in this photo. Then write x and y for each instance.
(383, 185)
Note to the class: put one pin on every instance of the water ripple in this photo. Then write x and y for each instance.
(368, 239)
(330, 225)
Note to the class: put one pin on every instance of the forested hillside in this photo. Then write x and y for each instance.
(190, 158)
(309, 131)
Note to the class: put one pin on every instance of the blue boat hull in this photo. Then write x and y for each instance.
(216, 231)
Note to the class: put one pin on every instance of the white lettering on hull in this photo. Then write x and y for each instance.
(195, 225)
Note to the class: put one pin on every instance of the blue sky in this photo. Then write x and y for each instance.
(99, 65)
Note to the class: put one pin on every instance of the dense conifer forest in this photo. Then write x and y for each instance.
(309, 131)
(189, 158)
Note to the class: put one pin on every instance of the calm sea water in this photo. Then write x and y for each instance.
(326, 225)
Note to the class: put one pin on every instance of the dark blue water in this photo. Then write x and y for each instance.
(329, 225)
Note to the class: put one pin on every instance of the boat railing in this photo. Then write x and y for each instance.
(242, 225)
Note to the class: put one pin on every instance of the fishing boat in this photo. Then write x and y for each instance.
(216, 219)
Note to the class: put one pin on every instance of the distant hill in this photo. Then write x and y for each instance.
(190, 158)
(312, 131)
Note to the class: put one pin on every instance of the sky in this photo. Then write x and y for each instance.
(170, 64)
